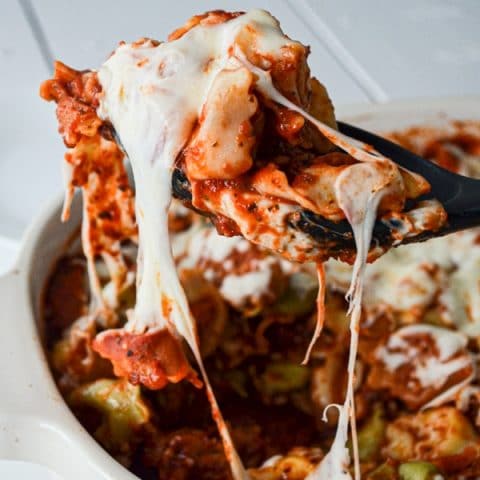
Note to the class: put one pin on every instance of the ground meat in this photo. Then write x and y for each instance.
(66, 298)
(188, 454)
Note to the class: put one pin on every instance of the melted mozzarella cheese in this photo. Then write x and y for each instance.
(410, 278)
(204, 248)
(205, 244)
(237, 288)
(431, 371)
(153, 94)
(461, 299)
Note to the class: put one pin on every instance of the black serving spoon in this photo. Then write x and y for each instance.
(459, 195)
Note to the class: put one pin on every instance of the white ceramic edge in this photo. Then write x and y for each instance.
(36, 425)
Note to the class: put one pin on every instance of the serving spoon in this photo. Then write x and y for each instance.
(459, 195)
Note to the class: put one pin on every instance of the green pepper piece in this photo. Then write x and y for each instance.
(371, 435)
(417, 471)
(121, 405)
(283, 377)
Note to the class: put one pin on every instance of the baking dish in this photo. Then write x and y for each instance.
(35, 423)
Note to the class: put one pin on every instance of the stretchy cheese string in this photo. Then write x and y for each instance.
(361, 216)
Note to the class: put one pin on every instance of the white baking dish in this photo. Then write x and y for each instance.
(35, 423)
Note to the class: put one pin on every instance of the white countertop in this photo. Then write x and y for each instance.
(364, 51)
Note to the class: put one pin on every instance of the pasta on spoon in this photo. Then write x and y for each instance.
(228, 101)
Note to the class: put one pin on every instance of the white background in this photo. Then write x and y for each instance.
(364, 51)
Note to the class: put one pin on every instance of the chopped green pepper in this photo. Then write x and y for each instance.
(121, 405)
(417, 471)
(282, 377)
(371, 435)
